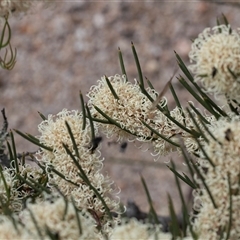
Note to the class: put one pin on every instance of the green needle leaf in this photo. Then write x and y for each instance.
(197, 125)
(184, 207)
(140, 75)
(122, 63)
(42, 116)
(73, 140)
(160, 135)
(32, 139)
(62, 176)
(184, 179)
(198, 113)
(111, 88)
(2, 45)
(77, 216)
(192, 132)
(10, 152)
(15, 158)
(174, 225)
(101, 120)
(149, 83)
(91, 122)
(230, 207)
(152, 210)
(83, 111)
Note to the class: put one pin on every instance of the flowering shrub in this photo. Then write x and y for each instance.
(62, 194)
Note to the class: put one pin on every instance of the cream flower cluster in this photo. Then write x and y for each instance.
(131, 109)
(57, 216)
(215, 56)
(18, 190)
(53, 134)
(128, 111)
(224, 153)
(59, 219)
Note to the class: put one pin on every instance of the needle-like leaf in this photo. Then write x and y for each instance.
(120, 57)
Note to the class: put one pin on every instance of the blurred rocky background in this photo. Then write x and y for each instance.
(67, 47)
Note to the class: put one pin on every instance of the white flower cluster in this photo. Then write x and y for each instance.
(58, 218)
(61, 218)
(222, 181)
(12, 190)
(128, 111)
(82, 208)
(215, 56)
(131, 109)
(54, 134)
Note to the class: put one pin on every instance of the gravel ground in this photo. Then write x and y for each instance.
(69, 46)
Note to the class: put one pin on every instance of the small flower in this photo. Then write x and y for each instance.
(224, 153)
(215, 56)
